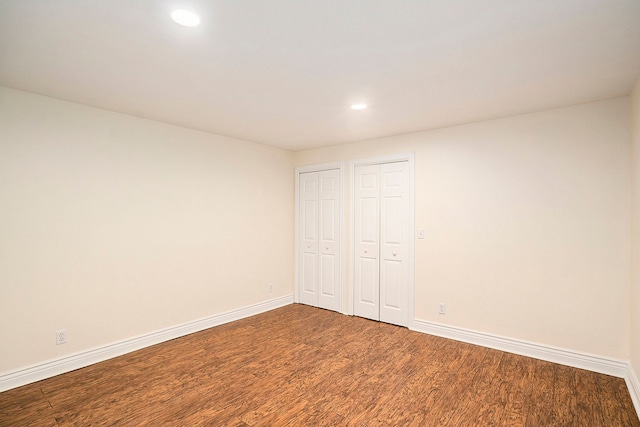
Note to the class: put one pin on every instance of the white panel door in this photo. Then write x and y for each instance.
(381, 242)
(329, 239)
(394, 239)
(319, 239)
(366, 301)
(308, 221)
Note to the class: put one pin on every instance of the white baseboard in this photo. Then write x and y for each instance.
(69, 363)
(603, 365)
(634, 388)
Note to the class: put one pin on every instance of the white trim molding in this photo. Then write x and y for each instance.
(82, 359)
(603, 365)
(634, 388)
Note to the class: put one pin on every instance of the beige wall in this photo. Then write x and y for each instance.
(113, 226)
(635, 282)
(527, 223)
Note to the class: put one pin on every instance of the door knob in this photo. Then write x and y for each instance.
(326, 248)
(394, 254)
(308, 245)
(365, 251)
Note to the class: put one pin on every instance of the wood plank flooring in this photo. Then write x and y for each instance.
(302, 366)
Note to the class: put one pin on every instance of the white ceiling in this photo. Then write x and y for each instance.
(284, 72)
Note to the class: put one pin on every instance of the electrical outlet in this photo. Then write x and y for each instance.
(61, 336)
(442, 308)
(270, 287)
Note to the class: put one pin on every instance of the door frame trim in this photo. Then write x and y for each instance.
(409, 157)
(318, 168)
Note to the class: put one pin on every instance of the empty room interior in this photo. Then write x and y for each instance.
(356, 213)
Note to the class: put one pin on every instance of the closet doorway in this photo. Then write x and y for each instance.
(318, 235)
(382, 224)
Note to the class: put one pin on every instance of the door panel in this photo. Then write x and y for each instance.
(369, 226)
(392, 224)
(309, 238)
(310, 223)
(327, 276)
(368, 291)
(309, 273)
(394, 252)
(329, 243)
(328, 227)
(366, 242)
(391, 295)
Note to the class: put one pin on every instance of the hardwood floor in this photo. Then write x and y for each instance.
(303, 366)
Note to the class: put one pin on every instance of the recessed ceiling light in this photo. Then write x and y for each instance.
(358, 106)
(185, 17)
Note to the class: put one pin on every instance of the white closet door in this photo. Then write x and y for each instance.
(309, 238)
(367, 242)
(381, 242)
(329, 244)
(319, 222)
(394, 239)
